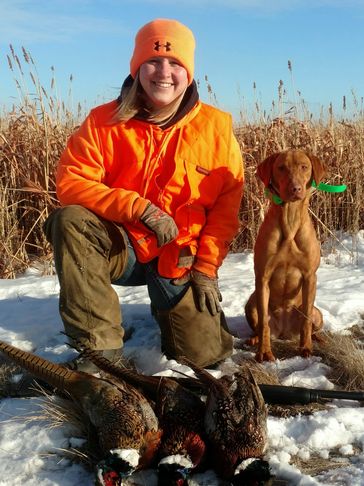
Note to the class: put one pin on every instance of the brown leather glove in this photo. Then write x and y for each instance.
(206, 290)
(162, 225)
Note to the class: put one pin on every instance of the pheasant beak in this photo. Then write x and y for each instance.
(119, 465)
(174, 473)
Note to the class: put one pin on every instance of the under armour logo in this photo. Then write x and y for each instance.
(158, 46)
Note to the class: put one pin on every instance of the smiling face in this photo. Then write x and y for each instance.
(163, 80)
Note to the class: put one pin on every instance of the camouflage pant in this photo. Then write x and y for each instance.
(90, 254)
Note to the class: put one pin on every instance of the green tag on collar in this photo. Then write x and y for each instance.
(329, 188)
(321, 187)
(276, 199)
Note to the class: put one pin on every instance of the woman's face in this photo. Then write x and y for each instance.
(163, 80)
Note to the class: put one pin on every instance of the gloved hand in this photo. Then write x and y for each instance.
(206, 290)
(162, 225)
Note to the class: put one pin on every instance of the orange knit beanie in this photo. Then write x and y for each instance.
(164, 38)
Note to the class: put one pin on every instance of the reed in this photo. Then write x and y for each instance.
(338, 142)
(34, 132)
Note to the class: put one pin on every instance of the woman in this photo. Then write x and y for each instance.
(150, 187)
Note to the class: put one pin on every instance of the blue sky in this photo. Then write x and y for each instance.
(239, 43)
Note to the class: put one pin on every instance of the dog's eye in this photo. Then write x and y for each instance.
(304, 167)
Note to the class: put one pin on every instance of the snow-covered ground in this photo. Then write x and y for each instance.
(29, 319)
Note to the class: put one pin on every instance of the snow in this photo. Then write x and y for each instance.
(31, 450)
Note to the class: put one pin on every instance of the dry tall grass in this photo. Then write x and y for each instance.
(338, 143)
(34, 132)
(32, 136)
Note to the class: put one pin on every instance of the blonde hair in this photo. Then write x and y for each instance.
(134, 100)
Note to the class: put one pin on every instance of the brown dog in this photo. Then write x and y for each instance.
(286, 256)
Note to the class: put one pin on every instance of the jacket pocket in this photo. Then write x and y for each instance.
(205, 184)
(190, 219)
(196, 219)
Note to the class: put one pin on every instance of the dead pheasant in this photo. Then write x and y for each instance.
(236, 426)
(126, 425)
(180, 413)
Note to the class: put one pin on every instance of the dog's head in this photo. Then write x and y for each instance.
(290, 173)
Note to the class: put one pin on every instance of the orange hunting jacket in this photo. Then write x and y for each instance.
(192, 170)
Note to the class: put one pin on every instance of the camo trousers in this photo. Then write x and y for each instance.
(90, 254)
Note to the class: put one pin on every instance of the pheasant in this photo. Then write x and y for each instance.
(236, 425)
(126, 425)
(180, 413)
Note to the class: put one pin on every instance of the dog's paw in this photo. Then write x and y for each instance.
(305, 352)
(264, 356)
(252, 341)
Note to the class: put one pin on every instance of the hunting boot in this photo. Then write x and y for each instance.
(89, 253)
(187, 332)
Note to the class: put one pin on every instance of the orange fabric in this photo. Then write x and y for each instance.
(167, 38)
(192, 170)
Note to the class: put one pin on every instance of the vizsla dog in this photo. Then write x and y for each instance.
(286, 256)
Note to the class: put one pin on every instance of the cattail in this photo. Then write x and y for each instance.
(354, 98)
(25, 55)
(280, 89)
(19, 65)
(32, 78)
(9, 62)
(289, 65)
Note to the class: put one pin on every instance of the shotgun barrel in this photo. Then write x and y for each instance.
(290, 395)
(286, 395)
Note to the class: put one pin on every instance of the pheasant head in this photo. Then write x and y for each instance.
(125, 423)
(235, 421)
(180, 413)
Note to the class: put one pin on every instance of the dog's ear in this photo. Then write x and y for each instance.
(265, 168)
(318, 169)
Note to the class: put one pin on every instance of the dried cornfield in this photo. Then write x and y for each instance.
(34, 132)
